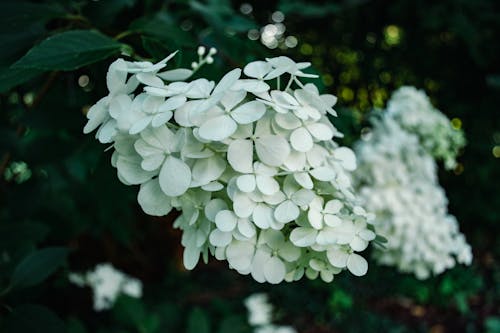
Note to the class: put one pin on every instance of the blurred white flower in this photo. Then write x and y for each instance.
(260, 313)
(259, 309)
(412, 109)
(397, 180)
(107, 284)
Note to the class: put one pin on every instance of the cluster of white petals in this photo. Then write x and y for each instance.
(260, 313)
(107, 284)
(397, 179)
(413, 111)
(254, 170)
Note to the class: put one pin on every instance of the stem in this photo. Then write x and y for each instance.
(290, 82)
(298, 82)
(124, 34)
(278, 82)
(80, 18)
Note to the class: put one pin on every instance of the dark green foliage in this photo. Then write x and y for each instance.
(73, 213)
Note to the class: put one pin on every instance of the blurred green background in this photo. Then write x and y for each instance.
(71, 202)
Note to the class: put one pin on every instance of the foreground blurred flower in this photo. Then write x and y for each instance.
(255, 172)
(397, 178)
(260, 315)
(107, 284)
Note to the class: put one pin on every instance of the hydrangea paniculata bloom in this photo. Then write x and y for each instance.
(254, 170)
(397, 179)
(413, 111)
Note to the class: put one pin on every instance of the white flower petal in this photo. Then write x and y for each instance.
(289, 252)
(301, 140)
(152, 200)
(220, 238)
(232, 98)
(259, 260)
(209, 169)
(303, 197)
(332, 220)
(246, 228)
(246, 183)
(116, 76)
(140, 125)
(303, 236)
(321, 132)
(253, 86)
(274, 270)
(267, 185)
(213, 207)
(257, 69)
(129, 168)
(240, 155)
(295, 161)
(175, 177)
(333, 206)
(227, 81)
(218, 128)
(287, 121)
(161, 118)
(243, 206)
(272, 149)
(357, 265)
(337, 257)
(287, 211)
(240, 254)
(367, 234)
(324, 173)
(172, 103)
(226, 220)
(178, 74)
(358, 244)
(346, 157)
(315, 218)
(191, 257)
(248, 112)
(150, 79)
(263, 216)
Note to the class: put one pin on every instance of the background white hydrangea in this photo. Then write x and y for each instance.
(107, 284)
(260, 315)
(254, 170)
(397, 179)
(413, 111)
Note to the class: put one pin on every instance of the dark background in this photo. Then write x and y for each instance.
(363, 50)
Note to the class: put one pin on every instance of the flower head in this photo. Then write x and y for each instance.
(254, 171)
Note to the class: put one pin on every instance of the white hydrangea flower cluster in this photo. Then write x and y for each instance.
(107, 284)
(260, 313)
(254, 170)
(397, 179)
(412, 109)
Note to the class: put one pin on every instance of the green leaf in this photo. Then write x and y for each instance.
(31, 318)
(37, 266)
(16, 15)
(198, 322)
(11, 77)
(22, 24)
(69, 50)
